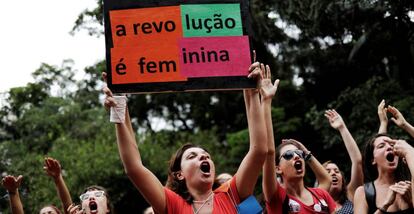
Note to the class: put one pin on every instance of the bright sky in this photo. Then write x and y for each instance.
(38, 31)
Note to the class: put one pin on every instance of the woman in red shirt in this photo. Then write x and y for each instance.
(291, 195)
(192, 171)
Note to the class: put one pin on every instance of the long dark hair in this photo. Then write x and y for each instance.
(343, 195)
(173, 183)
(371, 172)
(108, 199)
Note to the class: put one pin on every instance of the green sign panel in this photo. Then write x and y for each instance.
(211, 20)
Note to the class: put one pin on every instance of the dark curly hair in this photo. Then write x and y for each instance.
(173, 183)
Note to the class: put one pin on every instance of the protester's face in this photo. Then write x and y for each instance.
(47, 210)
(383, 154)
(336, 175)
(94, 202)
(197, 167)
(291, 164)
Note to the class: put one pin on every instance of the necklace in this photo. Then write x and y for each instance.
(195, 211)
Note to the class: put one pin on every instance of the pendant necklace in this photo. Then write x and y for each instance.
(203, 203)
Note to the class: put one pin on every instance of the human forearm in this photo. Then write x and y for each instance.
(408, 128)
(15, 202)
(383, 128)
(357, 175)
(350, 145)
(145, 181)
(250, 167)
(320, 173)
(63, 193)
(256, 125)
(127, 147)
(269, 174)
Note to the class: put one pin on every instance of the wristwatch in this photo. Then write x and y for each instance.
(308, 156)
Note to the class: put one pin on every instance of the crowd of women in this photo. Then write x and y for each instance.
(191, 188)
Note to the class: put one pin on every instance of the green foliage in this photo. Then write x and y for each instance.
(90, 20)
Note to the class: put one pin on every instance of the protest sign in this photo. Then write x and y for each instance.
(166, 46)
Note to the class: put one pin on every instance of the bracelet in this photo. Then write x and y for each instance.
(382, 210)
(11, 193)
(308, 156)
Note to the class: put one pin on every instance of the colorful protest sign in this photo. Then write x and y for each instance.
(177, 46)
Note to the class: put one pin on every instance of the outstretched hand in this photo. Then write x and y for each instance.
(267, 89)
(109, 97)
(12, 183)
(397, 118)
(52, 167)
(382, 112)
(335, 120)
(74, 209)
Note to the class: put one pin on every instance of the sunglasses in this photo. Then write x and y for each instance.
(86, 195)
(289, 154)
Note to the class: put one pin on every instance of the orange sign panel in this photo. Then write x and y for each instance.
(135, 27)
(144, 64)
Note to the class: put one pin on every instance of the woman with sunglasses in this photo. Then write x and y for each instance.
(94, 200)
(291, 195)
(341, 192)
(191, 172)
(389, 189)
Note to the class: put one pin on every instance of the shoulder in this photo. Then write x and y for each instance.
(359, 197)
(359, 193)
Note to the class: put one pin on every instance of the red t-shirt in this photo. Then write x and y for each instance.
(222, 202)
(325, 204)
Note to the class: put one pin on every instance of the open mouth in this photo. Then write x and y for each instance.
(298, 165)
(334, 180)
(205, 167)
(390, 157)
(93, 207)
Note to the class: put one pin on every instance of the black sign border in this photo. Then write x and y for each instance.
(192, 84)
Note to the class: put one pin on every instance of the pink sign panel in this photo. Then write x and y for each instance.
(214, 56)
